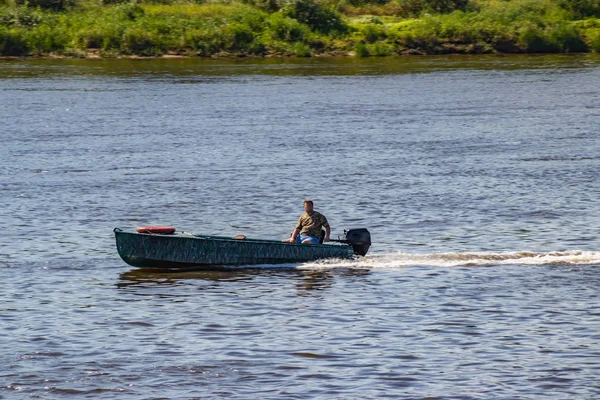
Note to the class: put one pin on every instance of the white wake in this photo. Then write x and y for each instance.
(389, 261)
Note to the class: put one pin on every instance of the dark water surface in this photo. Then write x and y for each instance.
(477, 176)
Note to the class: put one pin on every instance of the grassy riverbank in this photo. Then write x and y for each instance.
(87, 28)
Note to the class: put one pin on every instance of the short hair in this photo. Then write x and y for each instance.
(309, 202)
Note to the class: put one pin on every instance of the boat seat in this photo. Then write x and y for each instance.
(322, 237)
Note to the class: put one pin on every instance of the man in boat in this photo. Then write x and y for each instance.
(308, 229)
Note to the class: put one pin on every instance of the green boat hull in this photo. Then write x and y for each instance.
(185, 251)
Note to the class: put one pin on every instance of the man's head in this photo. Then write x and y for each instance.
(308, 206)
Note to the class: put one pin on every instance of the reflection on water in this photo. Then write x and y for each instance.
(306, 279)
(202, 71)
(152, 277)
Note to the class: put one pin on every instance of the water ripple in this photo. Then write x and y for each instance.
(478, 178)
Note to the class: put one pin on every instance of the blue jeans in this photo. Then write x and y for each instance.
(302, 238)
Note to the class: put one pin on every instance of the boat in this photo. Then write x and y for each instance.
(185, 251)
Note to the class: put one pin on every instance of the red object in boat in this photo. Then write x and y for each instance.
(163, 230)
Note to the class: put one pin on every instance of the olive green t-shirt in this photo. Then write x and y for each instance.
(310, 225)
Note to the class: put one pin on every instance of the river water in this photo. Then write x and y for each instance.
(477, 176)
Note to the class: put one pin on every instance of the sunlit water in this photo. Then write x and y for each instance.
(477, 176)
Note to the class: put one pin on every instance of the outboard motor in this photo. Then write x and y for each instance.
(359, 239)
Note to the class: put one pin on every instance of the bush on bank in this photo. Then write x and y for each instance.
(296, 27)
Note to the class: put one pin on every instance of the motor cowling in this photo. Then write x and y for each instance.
(359, 239)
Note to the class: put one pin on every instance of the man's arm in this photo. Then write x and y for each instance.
(327, 233)
(327, 229)
(295, 234)
(292, 238)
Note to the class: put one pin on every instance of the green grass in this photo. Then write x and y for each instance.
(303, 28)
